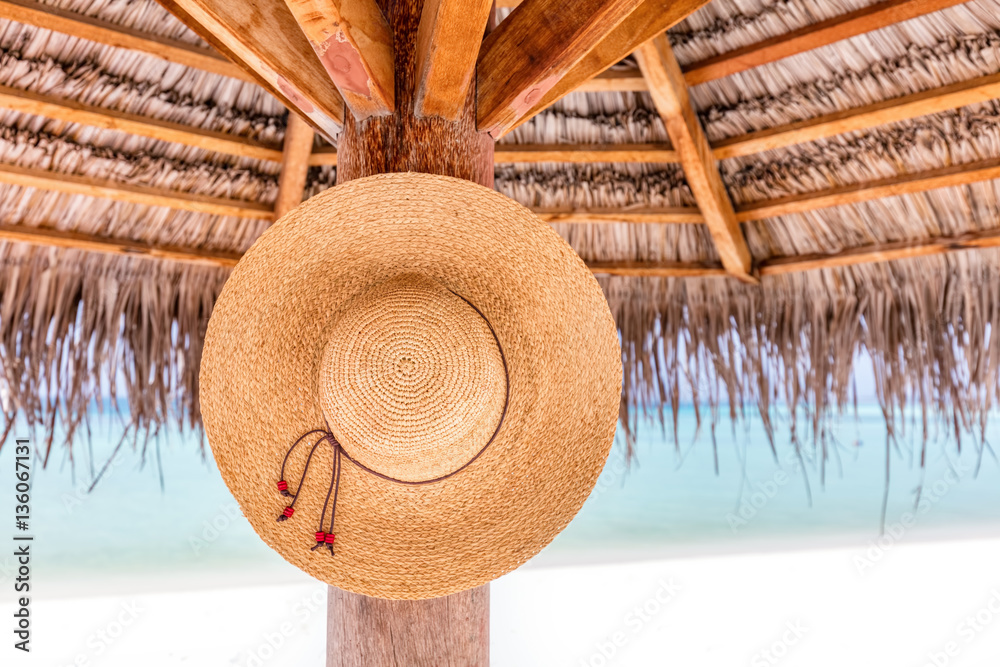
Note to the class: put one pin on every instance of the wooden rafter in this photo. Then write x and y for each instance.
(642, 216)
(628, 80)
(70, 111)
(448, 41)
(52, 238)
(111, 34)
(670, 95)
(649, 19)
(892, 110)
(353, 41)
(135, 194)
(533, 49)
(811, 37)
(299, 139)
(883, 252)
(903, 184)
(263, 38)
(539, 153)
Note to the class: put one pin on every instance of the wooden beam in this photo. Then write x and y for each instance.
(584, 153)
(112, 34)
(640, 216)
(649, 19)
(883, 252)
(538, 153)
(354, 43)
(295, 166)
(893, 110)
(670, 95)
(904, 184)
(530, 51)
(70, 111)
(263, 38)
(615, 81)
(135, 194)
(448, 41)
(658, 269)
(75, 241)
(824, 33)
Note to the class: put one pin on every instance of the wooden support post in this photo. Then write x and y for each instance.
(451, 631)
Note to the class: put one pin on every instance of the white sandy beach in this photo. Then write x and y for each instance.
(903, 604)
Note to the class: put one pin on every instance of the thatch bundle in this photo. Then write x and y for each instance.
(76, 326)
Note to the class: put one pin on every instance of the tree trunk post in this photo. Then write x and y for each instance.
(451, 631)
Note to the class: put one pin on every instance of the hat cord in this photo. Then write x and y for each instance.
(326, 538)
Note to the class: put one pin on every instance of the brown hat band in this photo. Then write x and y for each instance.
(326, 538)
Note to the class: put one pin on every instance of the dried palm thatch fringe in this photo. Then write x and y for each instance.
(75, 328)
(928, 327)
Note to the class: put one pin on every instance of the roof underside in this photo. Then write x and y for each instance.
(85, 321)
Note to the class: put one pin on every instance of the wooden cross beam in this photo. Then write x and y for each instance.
(354, 43)
(448, 41)
(670, 95)
(263, 38)
(532, 51)
(647, 19)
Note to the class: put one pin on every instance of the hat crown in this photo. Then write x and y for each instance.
(412, 381)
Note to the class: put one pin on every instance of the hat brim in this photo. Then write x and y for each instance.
(260, 372)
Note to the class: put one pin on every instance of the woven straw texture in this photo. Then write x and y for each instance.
(385, 256)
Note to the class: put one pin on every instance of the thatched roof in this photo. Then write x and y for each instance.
(77, 323)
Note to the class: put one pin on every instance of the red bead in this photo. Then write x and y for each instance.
(320, 537)
(330, 537)
(282, 485)
(289, 511)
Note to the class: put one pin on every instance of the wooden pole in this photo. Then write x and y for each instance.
(445, 632)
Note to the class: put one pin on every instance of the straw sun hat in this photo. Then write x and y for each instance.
(419, 366)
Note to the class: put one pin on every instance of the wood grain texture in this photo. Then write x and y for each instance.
(533, 49)
(584, 153)
(112, 34)
(448, 41)
(639, 216)
(70, 111)
(893, 110)
(298, 146)
(671, 98)
(811, 37)
(444, 632)
(452, 631)
(903, 184)
(53, 238)
(658, 269)
(135, 194)
(539, 153)
(628, 80)
(649, 19)
(263, 38)
(353, 41)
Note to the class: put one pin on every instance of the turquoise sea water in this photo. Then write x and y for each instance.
(669, 500)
